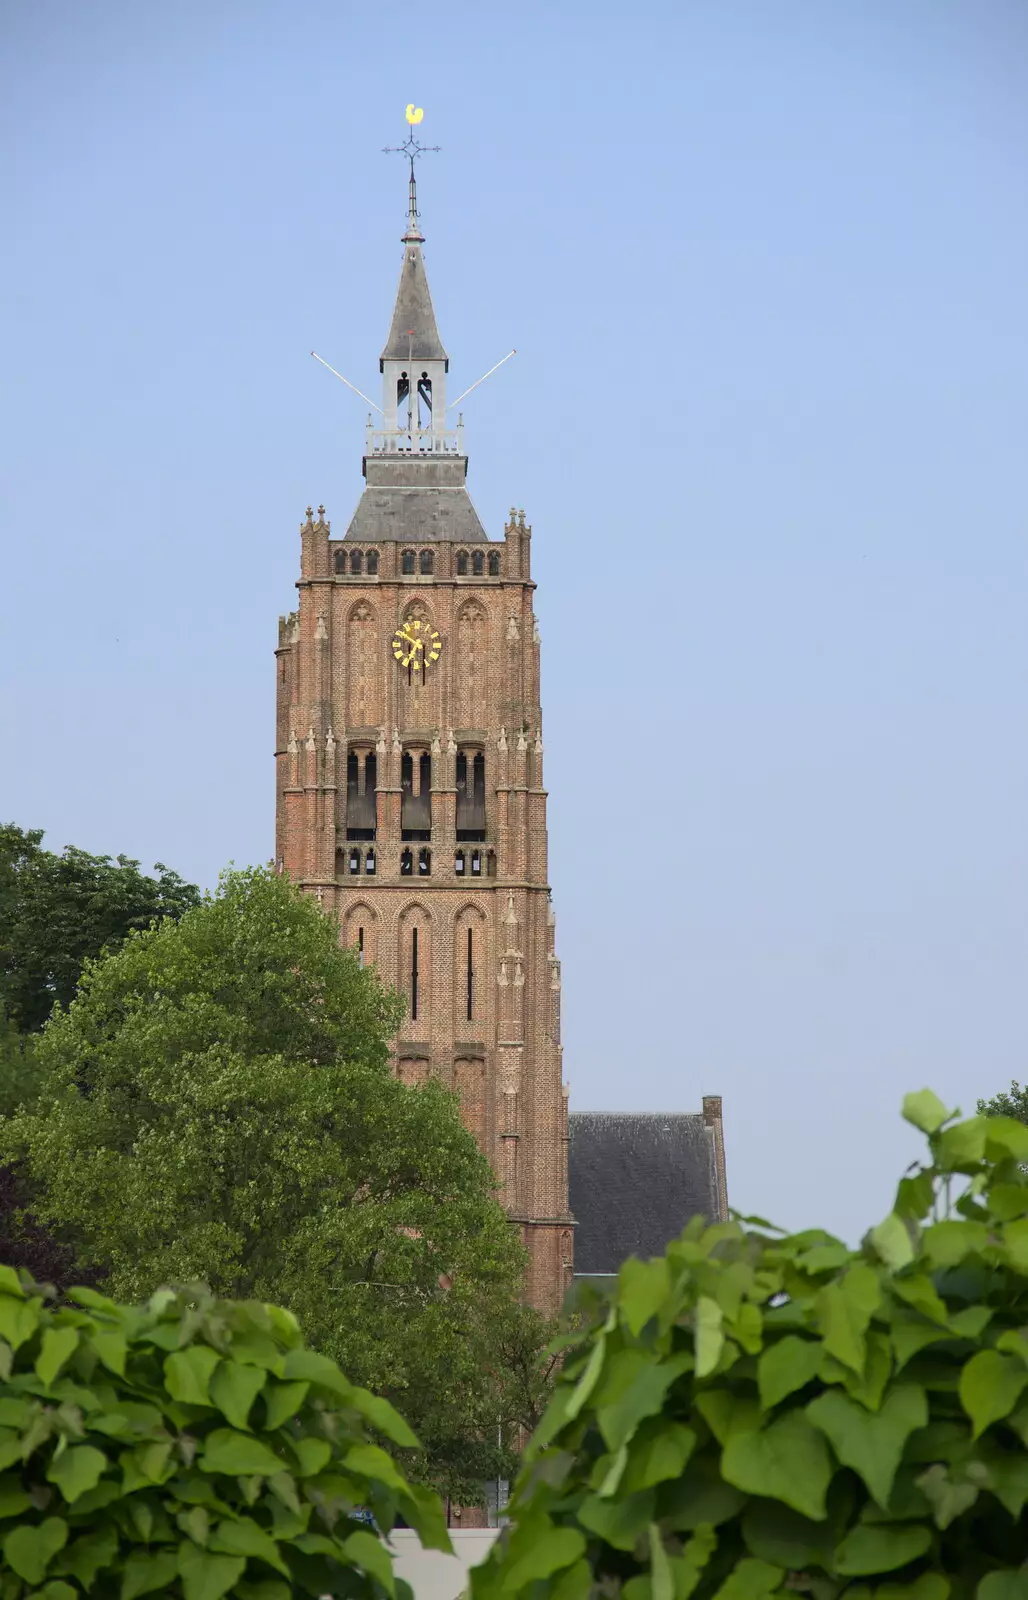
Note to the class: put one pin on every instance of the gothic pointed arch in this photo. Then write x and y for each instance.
(471, 666)
(472, 965)
(360, 932)
(363, 686)
(414, 961)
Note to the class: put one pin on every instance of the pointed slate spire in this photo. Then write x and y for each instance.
(413, 334)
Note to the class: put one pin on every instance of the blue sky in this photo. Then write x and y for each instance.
(765, 268)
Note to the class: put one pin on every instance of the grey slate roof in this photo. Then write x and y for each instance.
(634, 1182)
(415, 499)
(413, 309)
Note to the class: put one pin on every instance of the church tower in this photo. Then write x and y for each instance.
(409, 761)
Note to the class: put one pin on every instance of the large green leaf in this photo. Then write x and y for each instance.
(245, 1538)
(891, 1238)
(77, 1470)
(234, 1388)
(644, 1286)
(58, 1345)
(206, 1576)
(751, 1579)
(365, 1551)
(373, 1463)
(788, 1461)
(554, 1549)
(188, 1374)
(311, 1367)
(642, 1397)
(1008, 1585)
(662, 1584)
(871, 1442)
(238, 1454)
(282, 1401)
(990, 1386)
(781, 1536)
(618, 1522)
(844, 1311)
(867, 1551)
(925, 1110)
(659, 1457)
(30, 1548)
(145, 1571)
(785, 1366)
(384, 1417)
(710, 1338)
(19, 1320)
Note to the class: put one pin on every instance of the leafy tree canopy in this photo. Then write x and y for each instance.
(194, 1448)
(217, 1104)
(752, 1416)
(56, 911)
(1014, 1103)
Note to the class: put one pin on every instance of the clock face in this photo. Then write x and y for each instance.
(415, 644)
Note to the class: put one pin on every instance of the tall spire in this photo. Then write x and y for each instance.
(413, 335)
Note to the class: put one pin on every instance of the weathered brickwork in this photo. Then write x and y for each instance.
(487, 1018)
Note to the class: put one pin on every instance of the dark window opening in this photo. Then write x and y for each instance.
(490, 864)
(416, 807)
(360, 947)
(369, 863)
(471, 978)
(470, 796)
(477, 563)
(355, 863)
(424, 863)
(407, 562)
(476, 863)
(494, 563)
(425, 391)
(427, 563)
(406, 864)
(356, 560)
(462, 563)
(458, 863)
(402, 399)
(414, 976)
(361, 779)
(372, 562)
(339, 560)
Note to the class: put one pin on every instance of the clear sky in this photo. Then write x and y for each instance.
(765, 266)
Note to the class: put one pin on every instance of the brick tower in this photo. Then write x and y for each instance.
(409, 762)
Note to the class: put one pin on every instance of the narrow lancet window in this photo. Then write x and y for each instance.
(477, 563)
(360, 947)
(494, 563)
(414, 976)
(427, 562)
(471, 976)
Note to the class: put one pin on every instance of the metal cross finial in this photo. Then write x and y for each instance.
(413, 150)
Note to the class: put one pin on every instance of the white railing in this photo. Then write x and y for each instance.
(415, 441)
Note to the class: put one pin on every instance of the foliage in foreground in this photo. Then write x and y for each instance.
(217, 1105)
(58, 911)
(193, 1447)
(753, 1416)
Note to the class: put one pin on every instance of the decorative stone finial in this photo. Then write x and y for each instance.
(522, 740)
(311, 743)
(320, 629)
(321, 514)
(509, 915)
(512, 629)
(538, 742)
(451, 743)
(310, 513)
(397, 747)
(330, 740)
(501, 743)
(381, 745)
(519, 976)
(535, 631)
(296, 629)
(292, 745)
(435, 746)
(501, 976)
(521, 517)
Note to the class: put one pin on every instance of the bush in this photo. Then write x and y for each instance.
(194, 1447)
(752, 1416)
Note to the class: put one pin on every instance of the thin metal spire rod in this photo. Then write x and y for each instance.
(350, 385)
(482, 379)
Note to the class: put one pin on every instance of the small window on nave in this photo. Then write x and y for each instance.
(407, 562)
(356, 560)
(339, 561)
(462, 563)
(477, 564)
(494, 563)
(427, 563)
(372, 563)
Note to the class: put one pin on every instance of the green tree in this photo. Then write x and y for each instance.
(56, 911)
(1014, 1103)
(217, 1104)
